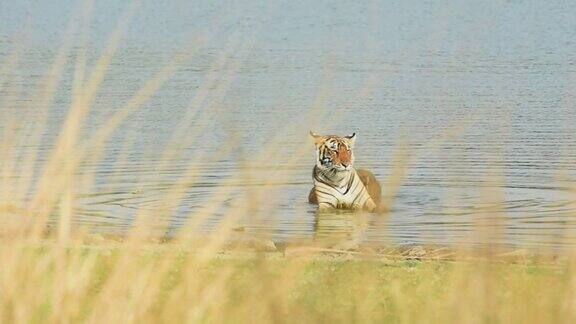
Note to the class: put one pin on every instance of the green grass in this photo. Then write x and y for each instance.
(159, 283)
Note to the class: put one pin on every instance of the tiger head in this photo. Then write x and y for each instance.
(334, 152)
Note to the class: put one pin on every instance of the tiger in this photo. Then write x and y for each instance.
(337, 184)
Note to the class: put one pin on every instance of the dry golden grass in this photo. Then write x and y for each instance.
(119, 282)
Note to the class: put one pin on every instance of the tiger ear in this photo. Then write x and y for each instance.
(318, 139)
(351, 139)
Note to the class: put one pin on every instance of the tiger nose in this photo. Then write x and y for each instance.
(345, 160)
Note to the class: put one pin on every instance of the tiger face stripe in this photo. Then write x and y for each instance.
(336, 183)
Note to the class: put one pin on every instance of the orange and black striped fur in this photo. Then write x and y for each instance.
(336, 183)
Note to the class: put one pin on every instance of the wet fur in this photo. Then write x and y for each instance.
(335, 161)
(369, 181)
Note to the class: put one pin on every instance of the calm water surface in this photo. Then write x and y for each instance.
(481, 94)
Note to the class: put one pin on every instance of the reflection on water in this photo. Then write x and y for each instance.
(477, 93)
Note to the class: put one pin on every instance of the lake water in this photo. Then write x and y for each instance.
(480, 94)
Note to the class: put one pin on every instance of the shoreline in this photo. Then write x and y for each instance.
(246, 246)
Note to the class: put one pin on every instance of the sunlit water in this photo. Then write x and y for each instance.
(481, 95)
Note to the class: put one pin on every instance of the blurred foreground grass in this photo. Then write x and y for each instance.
(123, 282)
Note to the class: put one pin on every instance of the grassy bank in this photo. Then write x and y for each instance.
(154, 282)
